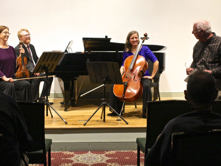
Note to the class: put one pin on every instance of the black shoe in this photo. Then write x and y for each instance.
(144, 115)
(51, 103)
(112, 114)
(41, 100)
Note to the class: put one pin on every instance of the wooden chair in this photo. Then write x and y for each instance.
(34, 117)
(193, 149)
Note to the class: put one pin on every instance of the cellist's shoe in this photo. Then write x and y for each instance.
(112, 114)
(144, 114)
(43, 100)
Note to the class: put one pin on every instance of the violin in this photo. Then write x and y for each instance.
(134, 65)
(21, 63)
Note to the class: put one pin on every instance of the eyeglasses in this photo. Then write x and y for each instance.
(26, 35)
(196, 31)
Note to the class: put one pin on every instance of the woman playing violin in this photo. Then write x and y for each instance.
(131, 46)
(8, 68)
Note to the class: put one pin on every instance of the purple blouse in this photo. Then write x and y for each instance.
(7, 62)
(146, 53)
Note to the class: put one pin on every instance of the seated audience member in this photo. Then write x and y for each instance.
(14, 137)
(201, 92)
(8, 69)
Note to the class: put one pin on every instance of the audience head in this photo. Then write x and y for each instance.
(24, 36)
(128, 44)
(201, 30)
(201, 89)
(4, 33)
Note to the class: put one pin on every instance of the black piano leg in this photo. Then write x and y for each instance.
(70, 96)
(67, 85)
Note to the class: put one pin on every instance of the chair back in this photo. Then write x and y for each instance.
(9, 145)
(203, 149)
(161, 58)
(34, 116)
(156, 80)
(159, 113)
(150, 69)
(217, 107)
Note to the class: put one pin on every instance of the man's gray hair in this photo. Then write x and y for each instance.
(203, 26)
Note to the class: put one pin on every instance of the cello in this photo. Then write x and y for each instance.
(21, 63)
(134, 65)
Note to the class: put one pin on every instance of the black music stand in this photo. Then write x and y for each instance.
(47, 63)
(105, 73)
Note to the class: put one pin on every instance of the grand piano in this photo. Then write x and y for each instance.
(95, 49)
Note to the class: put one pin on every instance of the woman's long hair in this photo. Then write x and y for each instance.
(2, 28)
(128, 46)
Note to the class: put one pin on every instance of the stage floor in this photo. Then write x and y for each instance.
(78, 115)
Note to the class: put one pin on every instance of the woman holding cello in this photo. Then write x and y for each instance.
(8, 69)
(145, 54)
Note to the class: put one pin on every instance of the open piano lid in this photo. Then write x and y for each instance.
(104, 44)
(154, 47)
(101, 44)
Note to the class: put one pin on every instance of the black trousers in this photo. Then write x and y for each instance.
(19, 90)
(35, 87)
(147, 96)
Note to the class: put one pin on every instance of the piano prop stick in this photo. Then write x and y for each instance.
(47, 64)
(104, 73)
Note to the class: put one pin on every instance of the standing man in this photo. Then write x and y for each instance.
(28, 50)
(206, 52)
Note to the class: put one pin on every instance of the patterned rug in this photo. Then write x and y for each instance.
(95, 158)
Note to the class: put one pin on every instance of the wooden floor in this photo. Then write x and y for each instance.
(78, 115)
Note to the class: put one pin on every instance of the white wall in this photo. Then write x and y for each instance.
(53, 23)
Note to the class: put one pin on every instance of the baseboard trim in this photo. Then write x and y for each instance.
(86, 146)
(172, 94)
